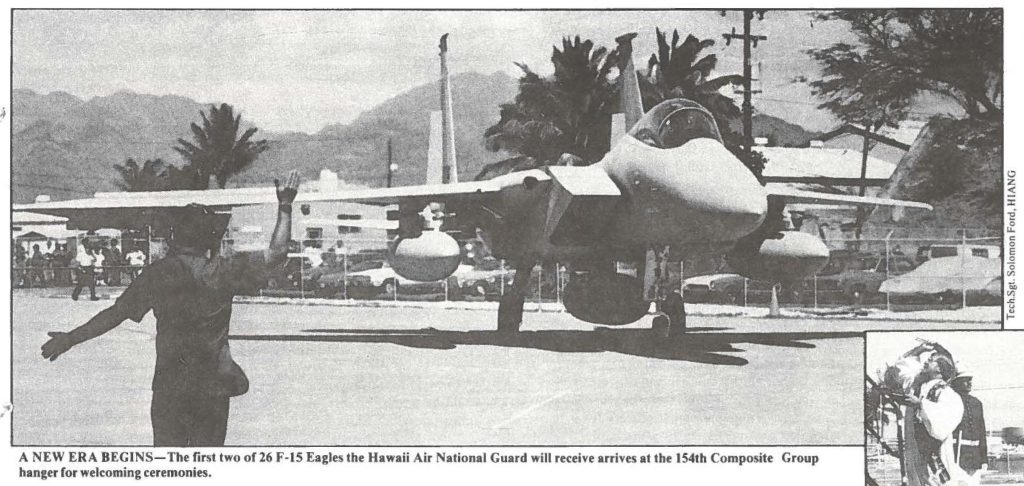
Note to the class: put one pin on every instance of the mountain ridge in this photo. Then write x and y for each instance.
(57, 134)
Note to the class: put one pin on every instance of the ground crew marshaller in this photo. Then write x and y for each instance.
(190, 293)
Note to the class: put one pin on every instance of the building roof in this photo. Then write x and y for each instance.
(901, 137)
(22, 218)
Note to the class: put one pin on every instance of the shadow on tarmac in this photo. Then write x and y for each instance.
(693, 346)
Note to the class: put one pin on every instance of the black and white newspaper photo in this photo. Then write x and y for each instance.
(456, 242)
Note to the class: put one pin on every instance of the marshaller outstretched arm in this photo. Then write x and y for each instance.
(60, 342)
(278, 253)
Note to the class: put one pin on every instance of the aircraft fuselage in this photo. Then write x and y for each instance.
(696, 194)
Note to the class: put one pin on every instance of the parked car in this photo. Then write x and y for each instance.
(733, 289)
(929, 252)
(290, 275)
(854, 278)
(723, 288)
(946, 279)
(376, 278)
(484, 281)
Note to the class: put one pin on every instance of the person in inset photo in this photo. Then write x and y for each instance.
(970, 441)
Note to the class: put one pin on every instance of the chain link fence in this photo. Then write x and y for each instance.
(891, 273)
(949, 270)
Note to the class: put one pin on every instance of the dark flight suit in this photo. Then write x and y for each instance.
(194, 376)
(969, 437)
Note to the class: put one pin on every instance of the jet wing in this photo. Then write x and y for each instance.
(790, 195)
(124, 209)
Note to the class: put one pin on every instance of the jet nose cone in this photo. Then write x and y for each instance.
(745, 203)
(724, 193)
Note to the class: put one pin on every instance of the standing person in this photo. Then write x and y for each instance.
(37, 262)
(969, 439)
(99, 252)
(190, 293)
(62, 258)
(20, 264)
(86, 271)
(933, 412)
(48, 273)
(115, 262)
(137, 260)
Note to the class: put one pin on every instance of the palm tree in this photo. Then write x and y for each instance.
(218, 150)
(154, 175)
(676, 72)
(568, 112)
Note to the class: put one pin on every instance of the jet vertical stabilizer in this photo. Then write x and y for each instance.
(629, 90)
(435, 159)
(449, 168)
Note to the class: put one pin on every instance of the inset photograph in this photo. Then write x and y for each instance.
(944, 408)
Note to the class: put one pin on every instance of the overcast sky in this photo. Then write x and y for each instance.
(994, 358)
(302, 70)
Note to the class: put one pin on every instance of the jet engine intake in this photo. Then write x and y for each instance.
(789, 256)
(431, 256)
(611, 299)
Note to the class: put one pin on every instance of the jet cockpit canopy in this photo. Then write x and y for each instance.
(674, 122)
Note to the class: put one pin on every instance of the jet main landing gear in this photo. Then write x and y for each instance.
(510, 308)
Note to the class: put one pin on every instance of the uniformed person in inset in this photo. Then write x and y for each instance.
(970, 444)
(190, 293)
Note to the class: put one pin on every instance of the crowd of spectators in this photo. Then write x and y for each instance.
(53, 263)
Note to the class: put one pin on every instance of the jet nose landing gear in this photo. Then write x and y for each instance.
(671, 319)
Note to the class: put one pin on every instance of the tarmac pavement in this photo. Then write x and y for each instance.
(325, 375)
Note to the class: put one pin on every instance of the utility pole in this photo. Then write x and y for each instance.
(391, 166)
(749, 42)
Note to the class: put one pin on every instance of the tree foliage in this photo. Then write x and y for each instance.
(567, 112)
(678, 71)
(218, 150)
(153, 175)
(570, 111)
(900, 54)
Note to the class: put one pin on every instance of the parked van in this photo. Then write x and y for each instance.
(929, 252)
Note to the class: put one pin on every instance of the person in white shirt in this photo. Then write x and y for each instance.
(313, 255)
(86, 271)
(137, 260)
(97, 253)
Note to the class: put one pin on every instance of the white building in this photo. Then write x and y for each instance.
(318, 224)
(820, 168)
